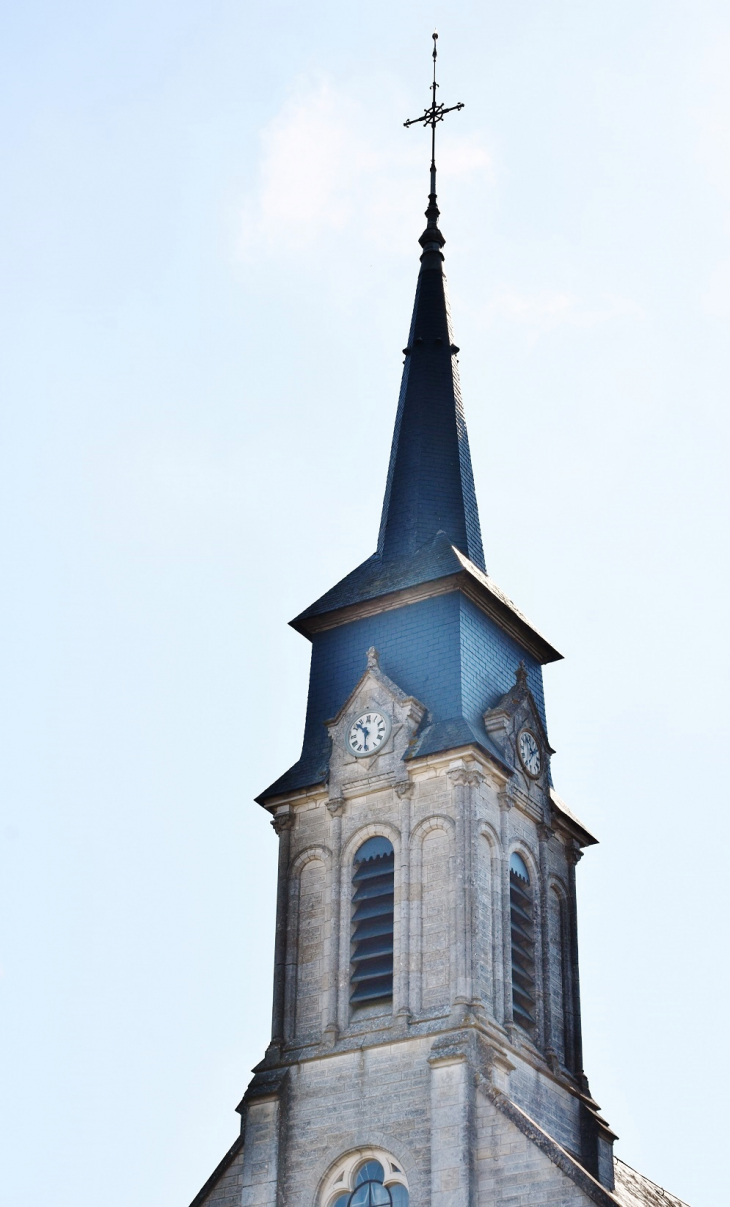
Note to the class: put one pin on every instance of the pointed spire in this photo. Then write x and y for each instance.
(430, 486)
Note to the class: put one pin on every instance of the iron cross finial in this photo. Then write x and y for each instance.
(432, 116)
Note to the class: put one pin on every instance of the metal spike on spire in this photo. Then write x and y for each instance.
(432, 239)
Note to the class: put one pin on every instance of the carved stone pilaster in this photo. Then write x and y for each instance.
(336, 808)
(463, 780)
(573, 853)
(331, 1034)
(544, 833)
(553, 1060)
(282, 823)
(402, 980)
(452, 1120)
(506, 801)
(506, 798)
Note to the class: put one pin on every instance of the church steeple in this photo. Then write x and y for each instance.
(426, 1025)
(426, 585)
(430, 484)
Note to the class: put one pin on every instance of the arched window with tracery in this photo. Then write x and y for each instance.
(523, 942)
(371, 1186)
(372, 923)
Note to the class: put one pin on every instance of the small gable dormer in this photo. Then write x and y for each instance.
(373, 730)
(515, 725)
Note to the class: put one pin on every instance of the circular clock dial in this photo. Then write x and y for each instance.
(529, 753)
(368, 733)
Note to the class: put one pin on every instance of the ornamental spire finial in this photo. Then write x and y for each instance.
(432, 239)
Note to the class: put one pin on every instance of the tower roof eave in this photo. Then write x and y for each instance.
(438, 567)
(570, 822)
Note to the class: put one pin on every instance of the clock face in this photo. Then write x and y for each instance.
(529, 753)
(367, 734)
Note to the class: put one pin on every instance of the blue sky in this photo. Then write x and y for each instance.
(208, 228)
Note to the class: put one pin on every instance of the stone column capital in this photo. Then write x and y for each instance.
(465, 776)
(283, 821)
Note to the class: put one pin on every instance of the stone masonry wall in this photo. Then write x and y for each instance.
(511, 1170)
(401, 1077)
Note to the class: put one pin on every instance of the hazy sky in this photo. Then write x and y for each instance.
(208, 224)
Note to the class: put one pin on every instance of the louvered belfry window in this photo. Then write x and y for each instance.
(523, 943)
(372, 923)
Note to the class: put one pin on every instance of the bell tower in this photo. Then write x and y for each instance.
(426, 1027)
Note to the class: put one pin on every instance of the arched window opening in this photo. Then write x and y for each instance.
(372, 919)
(523, 943)
(371, 1190)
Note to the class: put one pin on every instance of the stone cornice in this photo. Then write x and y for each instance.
(467, 757)
(527, 805)
(316, 793)
(367, 785)
(399, 1031)
(471, 755)
(449, 1049)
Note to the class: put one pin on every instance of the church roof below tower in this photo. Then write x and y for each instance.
(569, 820)
(438, 566)
(635, 1190)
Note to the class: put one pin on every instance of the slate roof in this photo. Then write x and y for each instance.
(450, 735)
(635, 1190)
(430, 484)
(309, 771)
(437, 558)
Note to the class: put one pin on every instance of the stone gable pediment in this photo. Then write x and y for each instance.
(515, 711)
(376, 693)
